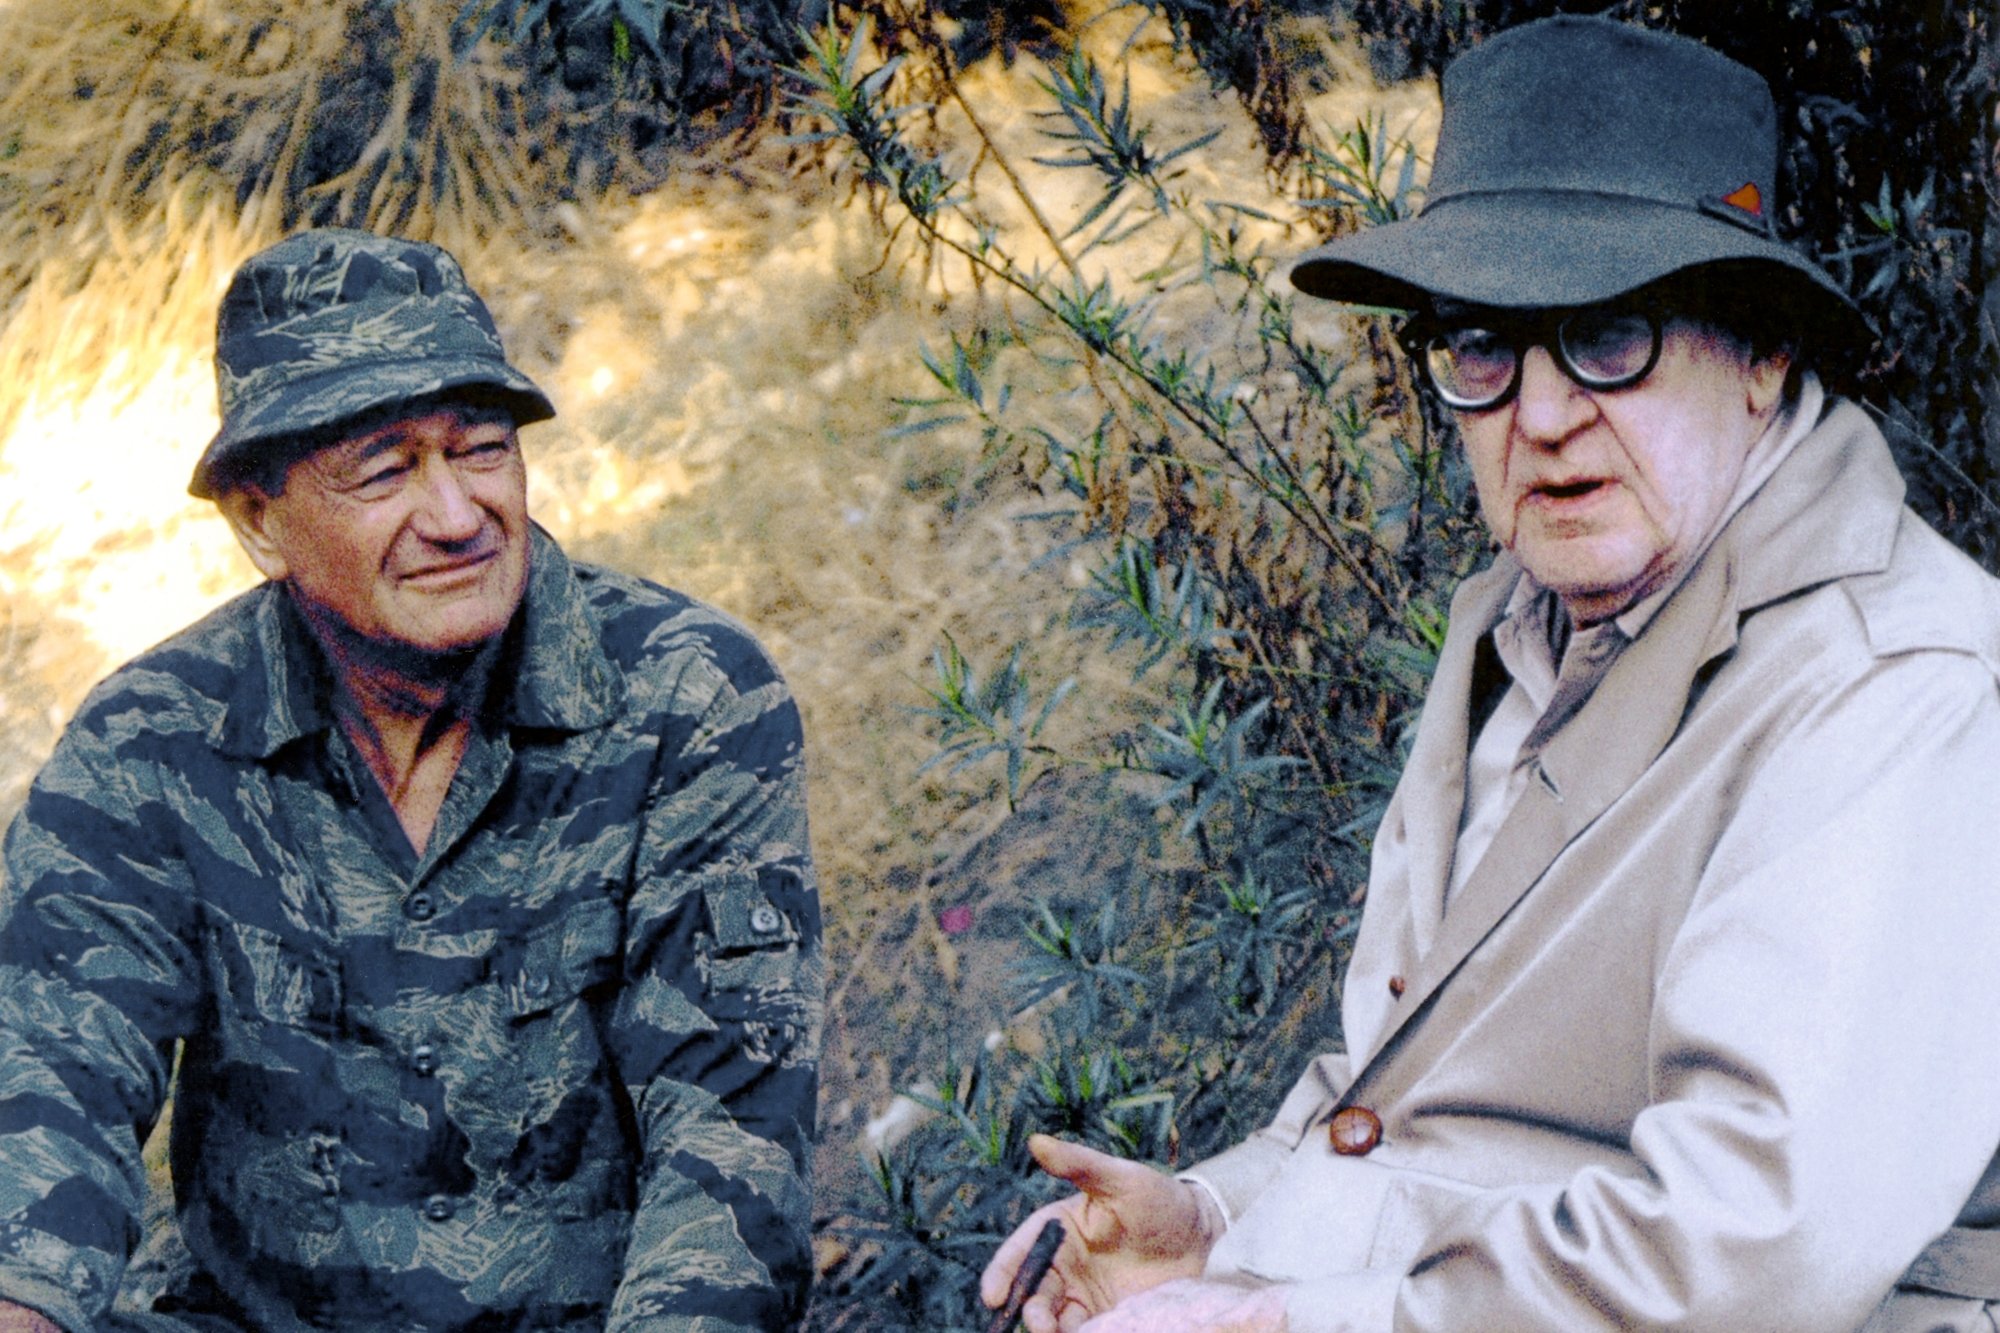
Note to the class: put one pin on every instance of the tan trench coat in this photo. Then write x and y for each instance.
(1711, 1037)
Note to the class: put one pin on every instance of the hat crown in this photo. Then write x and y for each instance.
(1580, 158)
(331, 299)
(331, 268)
(1589, 104)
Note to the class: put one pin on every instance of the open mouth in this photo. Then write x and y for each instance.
(1570, 490)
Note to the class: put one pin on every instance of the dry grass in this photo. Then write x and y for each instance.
(349, 113)
(725, 353)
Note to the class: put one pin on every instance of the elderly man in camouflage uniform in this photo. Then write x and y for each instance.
(472, 885)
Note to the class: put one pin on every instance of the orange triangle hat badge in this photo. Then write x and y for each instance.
(1746, 197)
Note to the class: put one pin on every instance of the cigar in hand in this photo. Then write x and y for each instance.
(1028, 1276)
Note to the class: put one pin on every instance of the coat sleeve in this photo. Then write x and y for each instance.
(717, 1029)
(97, 980)
(1825, 1079)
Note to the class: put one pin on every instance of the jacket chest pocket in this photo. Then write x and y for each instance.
(262, 980)
(754, 984)
(535, 1092)
(560, 960)
(755, 943)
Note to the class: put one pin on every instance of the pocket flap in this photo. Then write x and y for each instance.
(263, 977)
(564, 958)
(743, 916)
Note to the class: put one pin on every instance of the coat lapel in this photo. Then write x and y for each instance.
(1590, 763)
(1433, 786)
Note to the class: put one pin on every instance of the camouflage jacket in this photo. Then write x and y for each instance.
(558, 1072)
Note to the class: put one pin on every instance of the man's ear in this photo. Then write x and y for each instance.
(1766, 382)
(252, 517)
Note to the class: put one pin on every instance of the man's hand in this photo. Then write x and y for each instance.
(1191, 1306)
(20, 1319)
(1130, 1229)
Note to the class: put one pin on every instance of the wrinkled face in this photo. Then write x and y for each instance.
(1605, 494)
(410, 535)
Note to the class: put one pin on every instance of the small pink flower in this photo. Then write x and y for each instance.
(955, 920)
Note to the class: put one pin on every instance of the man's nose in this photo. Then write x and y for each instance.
(445, 508)
(1549, 405)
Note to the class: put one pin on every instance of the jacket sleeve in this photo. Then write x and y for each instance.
(97, 980)
(1234, 1178)
(717, 1029)
(1826, 1086)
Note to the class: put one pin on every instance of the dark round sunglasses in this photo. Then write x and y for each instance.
(1475, 365)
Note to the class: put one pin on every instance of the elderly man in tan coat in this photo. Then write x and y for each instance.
(1676, 1002)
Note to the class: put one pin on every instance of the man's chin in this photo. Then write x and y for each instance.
(437, 662)
(447, 626)
(433, 650)
(1591, 586)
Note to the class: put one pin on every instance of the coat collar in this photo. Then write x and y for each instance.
(1830, 511)
(553, 669)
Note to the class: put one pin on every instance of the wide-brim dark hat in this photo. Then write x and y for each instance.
(1579, 158)
(332, 324)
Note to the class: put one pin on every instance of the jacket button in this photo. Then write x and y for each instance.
(764, 919)
(438, 1208)
(1354, 1131)
(419, 907)
(1397, 986)
(424, 1059)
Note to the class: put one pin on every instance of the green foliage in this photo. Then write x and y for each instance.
(1078, 962)
(945, 1197)
(858, 112)
(1355, 175)
(422, 117)
(1166, 614)
(1267, 532)
(641, 72)
(1209, 759)
(996, 715)
(1253, 929)
(1104, 138)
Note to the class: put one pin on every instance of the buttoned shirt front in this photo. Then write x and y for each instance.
(557, 1071)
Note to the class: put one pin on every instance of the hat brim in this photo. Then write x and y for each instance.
(325, 400)
(1535, 250)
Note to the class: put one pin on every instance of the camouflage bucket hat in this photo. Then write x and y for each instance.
(1580, 158)
(329, 324)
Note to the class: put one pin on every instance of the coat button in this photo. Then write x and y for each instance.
(424, 1059)
(536, 985)
(764, 919)
(1354, 1131)
(419, 907)
(1397, 986)
(438, 1208)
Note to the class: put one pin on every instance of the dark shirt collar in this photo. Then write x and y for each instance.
(553, 673)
